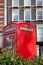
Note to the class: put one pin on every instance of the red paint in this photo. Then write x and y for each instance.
(24, 36)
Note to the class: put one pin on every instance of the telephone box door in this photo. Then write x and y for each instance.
(9, 41)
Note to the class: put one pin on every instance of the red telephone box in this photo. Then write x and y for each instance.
(23, 35)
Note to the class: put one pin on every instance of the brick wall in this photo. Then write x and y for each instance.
(1, 14)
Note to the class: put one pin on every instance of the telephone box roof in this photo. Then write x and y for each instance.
(18, 23)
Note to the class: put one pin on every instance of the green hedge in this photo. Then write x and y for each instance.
(7, 58)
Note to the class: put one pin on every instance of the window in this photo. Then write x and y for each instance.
(39, 2)
(27, 15)
(15, 15)
(27, 2)
(15, 3)
(39, 14)
(40, 33)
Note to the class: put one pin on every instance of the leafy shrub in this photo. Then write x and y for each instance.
(10, 57)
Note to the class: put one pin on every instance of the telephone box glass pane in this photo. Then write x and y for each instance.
(8, 42)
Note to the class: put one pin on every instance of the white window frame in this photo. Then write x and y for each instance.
(5, 12)
(42, 2)
(29, 3)
(15, 10)
(15, 5)
(24, 13)
(39, 5)
(39, 9)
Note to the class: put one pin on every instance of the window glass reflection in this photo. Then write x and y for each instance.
(15, 16)
(27, 15)
(39, 2)
(27, 2)
(15, 3)
(39, 15)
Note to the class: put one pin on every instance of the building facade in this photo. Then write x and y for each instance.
(28, 11)
(22, 10)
